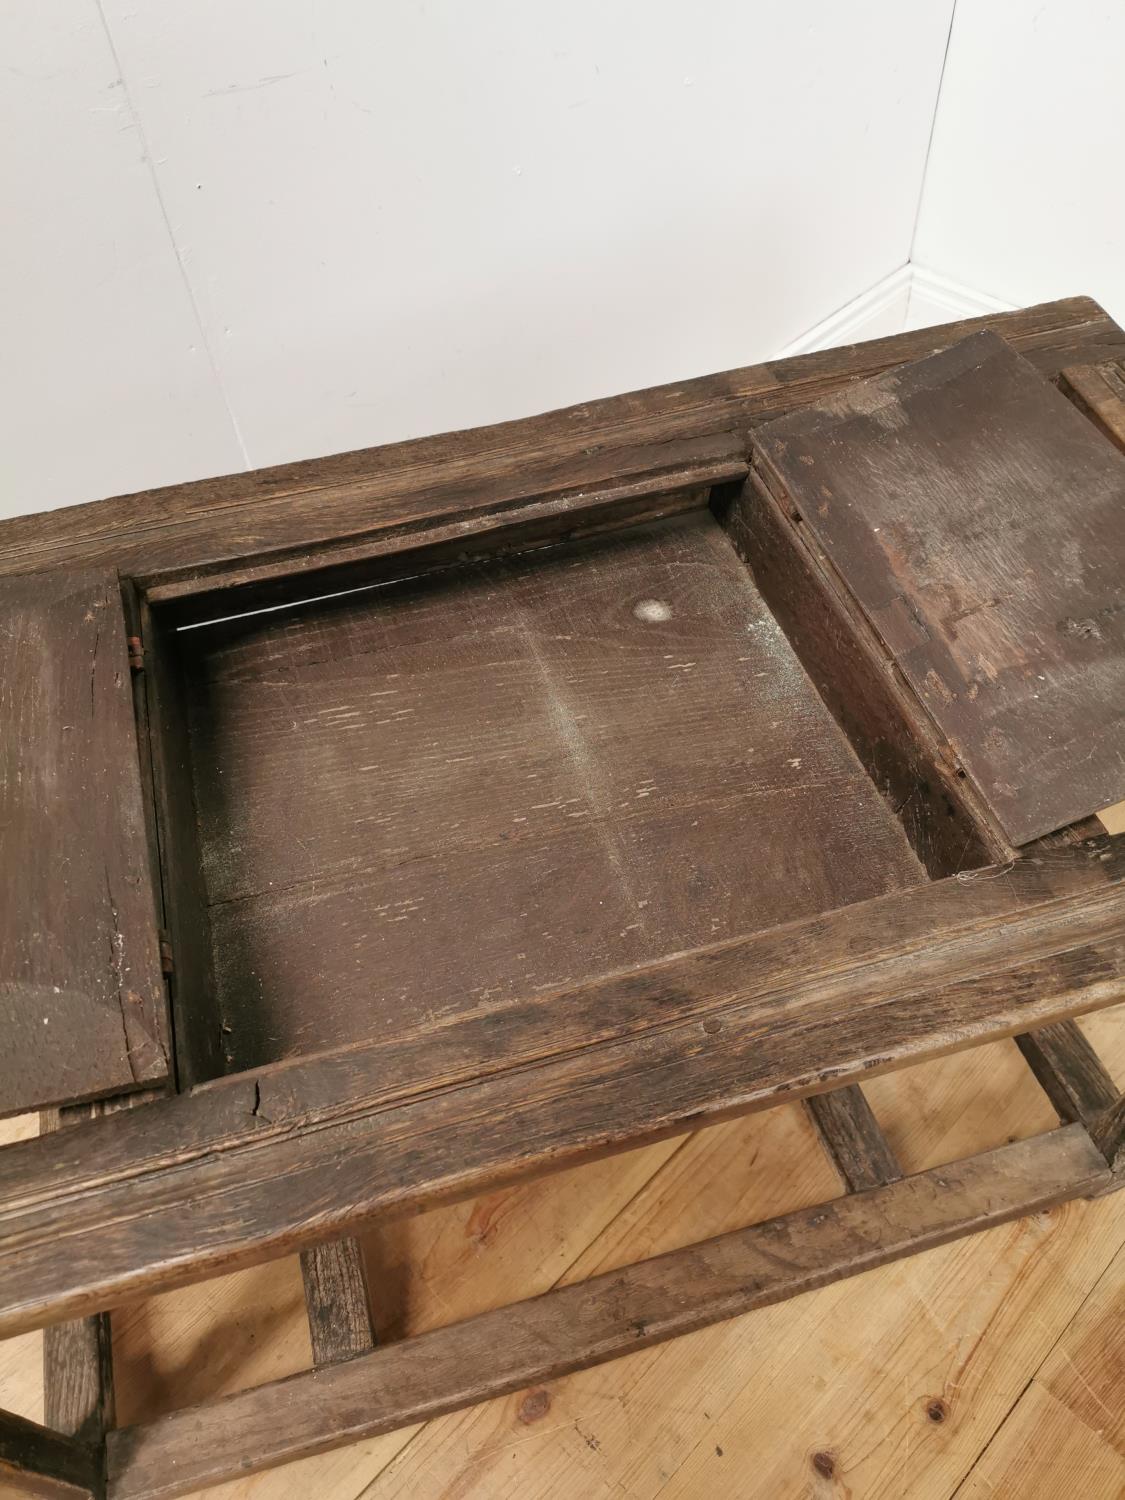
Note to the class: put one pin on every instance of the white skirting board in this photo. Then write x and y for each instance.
(910, 297)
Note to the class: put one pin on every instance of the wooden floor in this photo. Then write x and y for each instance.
(994, 1366)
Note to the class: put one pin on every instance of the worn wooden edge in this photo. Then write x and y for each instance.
(78, 1390)
(98, 768)
(197, 1043)
(1107, 1131)
(261, 1165)
(337, 1301)
(613, 1314)
(569, 514)
(1099, 392)
(1069, 1071)
(949, 826)
(853, 1138)
(42, 1465)
(946, 930)
(179, 531)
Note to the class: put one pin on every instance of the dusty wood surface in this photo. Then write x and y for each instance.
(392, 491)
(587, 758)
(596, 1320)
(1099, 391)
(82, 1006)
(338, 1301)
(92, 1217)
(934, 494)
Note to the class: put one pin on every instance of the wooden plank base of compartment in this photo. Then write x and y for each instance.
(337, 1301)
(38, 1464)
(635, 761)
(597, 1320)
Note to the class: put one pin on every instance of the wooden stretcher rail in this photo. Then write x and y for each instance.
(213, 526)
(853, 1138)
(577, 1326)
(337, 1301)
(257, 1165)
(37, 1464)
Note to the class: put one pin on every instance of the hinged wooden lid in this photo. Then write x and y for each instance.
(978, 519)
(82, 1003)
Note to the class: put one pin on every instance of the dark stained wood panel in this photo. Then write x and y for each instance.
(337, 1301)
(853, 1138)
(81, 991)
(531, 772)
(979, 521)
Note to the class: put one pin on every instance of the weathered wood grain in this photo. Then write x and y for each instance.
(1069, 1071)
(337, 1301)
(1107, 1131)
(37, 1464)
(1099, 391)
(587, 758)
(78, 1378)
(197, 1027)
(279, 1159)
(851, 1135)
(593, 1321)
(949, 827)
(189, 530)
(81, 992)
(78, 1388)
(934, 494)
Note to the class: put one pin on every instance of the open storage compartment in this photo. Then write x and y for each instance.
(499, 779)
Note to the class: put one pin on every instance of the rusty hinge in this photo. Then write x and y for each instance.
(167, 965)
(136, 653)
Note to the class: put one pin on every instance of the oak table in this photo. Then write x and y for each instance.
(386, 828)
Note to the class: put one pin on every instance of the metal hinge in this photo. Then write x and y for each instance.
(167, 964)
(136, 653)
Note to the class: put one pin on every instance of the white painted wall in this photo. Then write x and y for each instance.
(105, 381)
(1023, 193)
(255, 230)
